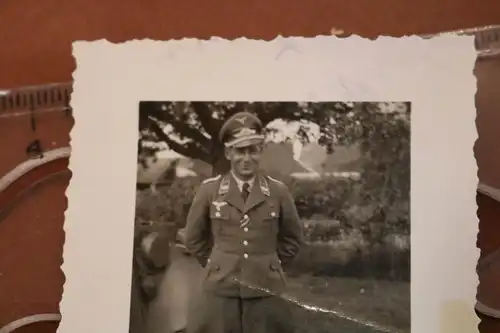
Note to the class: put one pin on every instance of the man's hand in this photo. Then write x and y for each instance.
(181, 236)
(150, 286)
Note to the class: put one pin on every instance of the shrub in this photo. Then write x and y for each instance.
(169, 203)
(350, 204)
(327, 199)
(331, 259)
(348, 230)
(333, 250)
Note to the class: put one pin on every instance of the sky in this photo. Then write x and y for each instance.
(290, 130)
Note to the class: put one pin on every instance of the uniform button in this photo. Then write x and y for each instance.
(273, 214)
(245, 229)
(245, 243)
(245, 255)
(245, 216)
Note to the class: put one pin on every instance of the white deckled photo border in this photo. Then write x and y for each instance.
(435, 75)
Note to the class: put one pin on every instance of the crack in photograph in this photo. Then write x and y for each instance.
(272, 217)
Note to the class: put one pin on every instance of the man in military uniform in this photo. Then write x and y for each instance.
(243, 227)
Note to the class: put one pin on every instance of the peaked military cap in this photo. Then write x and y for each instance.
(240, 130)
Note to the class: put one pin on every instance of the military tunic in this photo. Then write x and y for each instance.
(242, 247)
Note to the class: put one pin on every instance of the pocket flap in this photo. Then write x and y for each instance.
(271, 212)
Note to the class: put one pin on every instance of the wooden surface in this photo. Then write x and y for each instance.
(35, 49)
(487, 147)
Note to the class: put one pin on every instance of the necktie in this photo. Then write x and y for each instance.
(245, 191)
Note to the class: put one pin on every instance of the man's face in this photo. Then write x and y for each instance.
(244, 160)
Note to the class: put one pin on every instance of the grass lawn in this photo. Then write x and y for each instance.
(385, 304)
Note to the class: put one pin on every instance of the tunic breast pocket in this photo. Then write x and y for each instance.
(271, 216)
(219, 214)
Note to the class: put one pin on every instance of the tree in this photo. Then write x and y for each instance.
(191, 128)
(381, 130)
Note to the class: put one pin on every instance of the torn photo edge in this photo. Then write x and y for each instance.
(111, 79)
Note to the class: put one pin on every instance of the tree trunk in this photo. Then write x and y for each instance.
(220, 165)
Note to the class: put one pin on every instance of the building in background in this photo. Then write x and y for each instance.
(309, 162)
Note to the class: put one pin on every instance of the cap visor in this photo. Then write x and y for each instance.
(245, 142)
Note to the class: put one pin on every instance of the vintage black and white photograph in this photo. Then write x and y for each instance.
(306, 185)
(272, 217)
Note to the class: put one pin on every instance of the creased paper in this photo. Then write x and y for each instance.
(434, 75)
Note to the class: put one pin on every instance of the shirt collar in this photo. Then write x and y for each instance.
(240, 182)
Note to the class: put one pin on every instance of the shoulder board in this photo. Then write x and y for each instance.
(275, 180)
(210, 180)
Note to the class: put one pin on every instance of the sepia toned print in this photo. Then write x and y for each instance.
(321, 243)
(330, 266)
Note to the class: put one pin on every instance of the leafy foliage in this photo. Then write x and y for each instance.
(346, 234)
(359, 216)
(191, 128)
(169, 205)
(334, 205)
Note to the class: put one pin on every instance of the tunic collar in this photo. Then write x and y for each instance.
(240, 182)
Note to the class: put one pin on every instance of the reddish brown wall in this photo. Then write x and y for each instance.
(36, 38)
